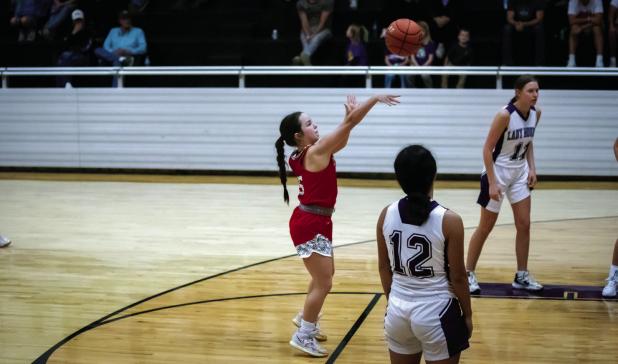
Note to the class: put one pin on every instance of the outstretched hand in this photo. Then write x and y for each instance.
(350, 104)
(389, 100)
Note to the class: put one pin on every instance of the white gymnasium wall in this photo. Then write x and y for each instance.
(234, 129)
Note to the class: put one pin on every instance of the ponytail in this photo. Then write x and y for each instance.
(289, 126)
(420, 207)
(415, 168)
(279, 145)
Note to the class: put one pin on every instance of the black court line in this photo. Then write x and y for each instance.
(489, 290)
(45, 356)
(353, 329)
(222, 300)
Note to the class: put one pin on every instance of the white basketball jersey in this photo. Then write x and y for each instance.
(417, 253)
(512, 147)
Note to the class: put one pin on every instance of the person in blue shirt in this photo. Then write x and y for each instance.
(425, 55)
(122, 43)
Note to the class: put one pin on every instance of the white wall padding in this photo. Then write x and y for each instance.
(235, 129)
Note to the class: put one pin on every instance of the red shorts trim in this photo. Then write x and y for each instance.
(304, 226)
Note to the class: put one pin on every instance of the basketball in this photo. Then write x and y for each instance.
(403, 37)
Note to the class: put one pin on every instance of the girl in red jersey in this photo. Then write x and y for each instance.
(311, 227)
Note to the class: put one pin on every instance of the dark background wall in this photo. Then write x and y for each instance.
(238, 32)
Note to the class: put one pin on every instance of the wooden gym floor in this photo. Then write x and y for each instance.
(151, 269)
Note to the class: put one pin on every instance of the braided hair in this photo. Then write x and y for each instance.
(289, 126)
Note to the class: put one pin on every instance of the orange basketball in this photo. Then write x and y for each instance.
(403, 37)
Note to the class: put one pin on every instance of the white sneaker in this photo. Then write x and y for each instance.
(319, 335)
(610, 288)
(473, 283)
(612, 62)
(4, 242)
(307, 344)
(526, 281)
(599, 63)
(571, 63)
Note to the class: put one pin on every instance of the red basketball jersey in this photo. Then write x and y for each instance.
(315, 188)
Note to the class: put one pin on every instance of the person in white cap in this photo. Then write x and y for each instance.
(4, 241)
(77, 45)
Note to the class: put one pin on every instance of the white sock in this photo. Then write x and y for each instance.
(613, 271)
(599, 58)
(306, 327)
(572, 58)
(521, 272)
(613, 60)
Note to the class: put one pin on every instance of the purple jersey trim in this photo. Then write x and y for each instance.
(498, 147)
(404, 210)
(484, 198)
(510, 108)
(454, 328)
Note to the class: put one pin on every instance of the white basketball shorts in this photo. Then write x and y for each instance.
(434, 326)
(513, 182)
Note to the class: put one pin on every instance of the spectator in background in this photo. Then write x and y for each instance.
(356, 53)
(443, 22)
(316, 20)
(123, 43)
(4, 241)
(392, 59)
(524, 16)
(60, 12)
(613, 31)
(27, 14)
(396, 9)
(459, 54)
(586, 17)
(425, 55)
(78, 45)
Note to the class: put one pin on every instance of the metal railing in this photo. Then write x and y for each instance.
(242, 71)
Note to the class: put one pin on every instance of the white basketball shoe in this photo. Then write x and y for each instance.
(307, 344)
(4, 241)
(473, 283)
(320, 336)
(610, 288)
(526, 281)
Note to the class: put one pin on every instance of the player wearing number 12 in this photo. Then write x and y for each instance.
(510, 170)
(421, 263)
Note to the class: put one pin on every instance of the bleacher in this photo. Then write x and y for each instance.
(239, 32)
